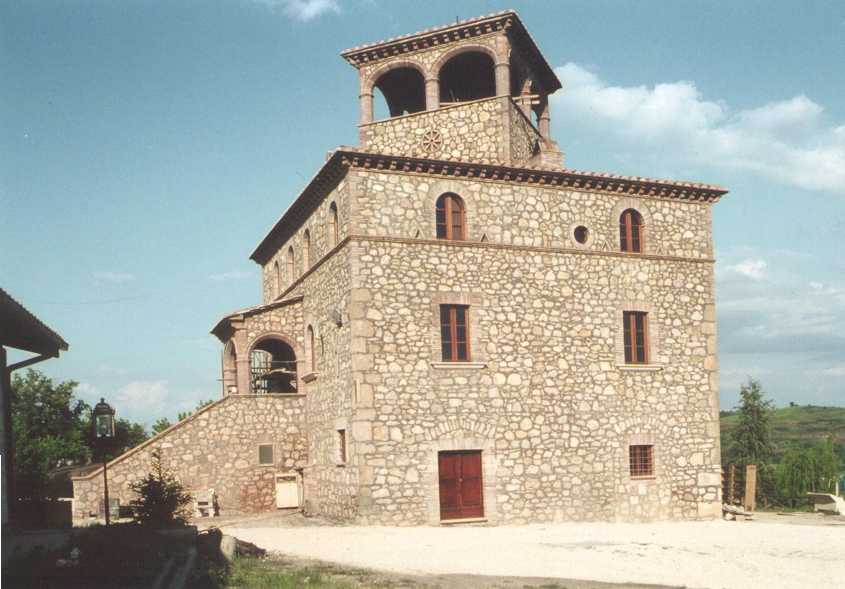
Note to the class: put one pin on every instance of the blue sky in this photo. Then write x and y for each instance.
(146, 147)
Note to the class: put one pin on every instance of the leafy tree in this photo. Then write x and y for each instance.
(161, 425)
(162, 500)
(48, 423)
(52, 428)
(750, 441)
(186, 414)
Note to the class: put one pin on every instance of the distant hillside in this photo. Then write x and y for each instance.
(800, 426)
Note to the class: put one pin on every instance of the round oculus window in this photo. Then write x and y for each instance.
(581, 234)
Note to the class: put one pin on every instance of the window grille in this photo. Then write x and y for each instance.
(641, 460)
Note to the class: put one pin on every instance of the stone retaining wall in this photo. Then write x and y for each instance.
(215, 448)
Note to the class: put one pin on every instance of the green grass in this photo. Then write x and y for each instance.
(797, 426)
(251, 573)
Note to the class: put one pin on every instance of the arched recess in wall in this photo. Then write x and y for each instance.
(307, 255)
(230, 368)
(291, 263)
(310, 342)
(273, 366)
(402, 88)
(467, 75)
(277, 279)
(332, 228)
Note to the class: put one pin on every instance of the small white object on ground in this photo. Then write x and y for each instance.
(713, 554)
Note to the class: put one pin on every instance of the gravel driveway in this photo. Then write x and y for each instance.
(715, 554)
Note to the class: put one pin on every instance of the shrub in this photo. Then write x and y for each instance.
(162, 500)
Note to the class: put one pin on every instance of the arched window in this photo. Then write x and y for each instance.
(291, 266)
(277, 279)
(467, 76)
(272, 367)
(403, 90)
(306, 250)
(450, 217)
(333, 225)
(312, 349)
(631, 231)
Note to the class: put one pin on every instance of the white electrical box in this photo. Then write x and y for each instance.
(288, 490)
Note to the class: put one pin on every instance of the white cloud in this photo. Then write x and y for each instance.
(113, 277)
(787, 141)
(140, 399)
(304, 10)
(835, 371)
(231, 276)
(752, 268)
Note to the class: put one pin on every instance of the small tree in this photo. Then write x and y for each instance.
(751, 442)
(162, 500)
(161, 425)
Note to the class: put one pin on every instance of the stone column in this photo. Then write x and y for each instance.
(432, 93)
(545, 117)
(366, 100)
(503, 79)
(503, 65)
(242, 359)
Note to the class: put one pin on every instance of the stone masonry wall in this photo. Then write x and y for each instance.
(330, 488)
(217, 448)
(321, 242)
(402, 205)
(547, 400)
(524, 137)
(473, 131)
(547, 397)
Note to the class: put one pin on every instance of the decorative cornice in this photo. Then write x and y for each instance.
(563, 178)
(507, 21)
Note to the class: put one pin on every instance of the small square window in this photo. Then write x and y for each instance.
(641, 460)
(265, 454)
(341, 446)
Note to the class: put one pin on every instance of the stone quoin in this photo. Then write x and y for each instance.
(456, 327)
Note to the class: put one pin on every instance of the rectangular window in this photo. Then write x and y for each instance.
(454, 333)
(265, 454)
(641, 460)
(635, 325)
(341, 446)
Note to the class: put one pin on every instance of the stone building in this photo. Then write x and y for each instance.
(456, 327)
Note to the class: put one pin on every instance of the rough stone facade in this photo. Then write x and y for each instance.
(353, 277)
(216, 448)
(491, 130)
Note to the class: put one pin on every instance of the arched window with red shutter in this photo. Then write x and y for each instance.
(631, 231)
(450, 217)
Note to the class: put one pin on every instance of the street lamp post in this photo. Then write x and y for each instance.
(103, 422)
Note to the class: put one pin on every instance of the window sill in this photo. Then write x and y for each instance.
(644, 478)
(460, 365)
(310, 377)
(640, 367)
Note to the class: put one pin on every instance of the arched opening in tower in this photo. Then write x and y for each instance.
(403, 90)
(467, 76)
(272, 365)
(230, 368)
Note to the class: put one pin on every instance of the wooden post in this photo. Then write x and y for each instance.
(750, 487)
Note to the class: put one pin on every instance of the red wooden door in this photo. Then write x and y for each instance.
(461, 485)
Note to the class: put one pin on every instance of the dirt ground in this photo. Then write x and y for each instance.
(773, 551)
